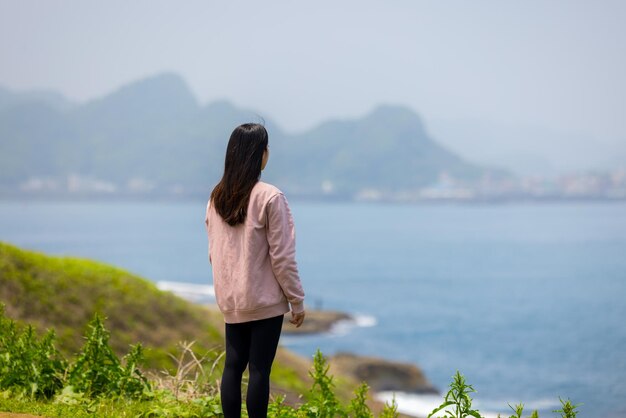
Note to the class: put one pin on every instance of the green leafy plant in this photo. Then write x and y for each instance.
(517, 410)
(98, 371)
(390, 410)
(568, 410)
(358, 407)
(458, 399)
(324, 403)
(29, 366)
(98, 383)
(278, 409)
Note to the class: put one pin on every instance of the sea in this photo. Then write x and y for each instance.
(527, 300)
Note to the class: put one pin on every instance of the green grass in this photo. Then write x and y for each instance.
(64, 294)
(36, 378)
(104, 408)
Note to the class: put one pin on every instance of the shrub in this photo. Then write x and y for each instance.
(29, 366)
(98, 371)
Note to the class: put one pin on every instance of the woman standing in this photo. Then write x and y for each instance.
(252, 253)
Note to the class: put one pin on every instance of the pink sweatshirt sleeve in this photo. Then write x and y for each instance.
(281, 237)
(206, 226)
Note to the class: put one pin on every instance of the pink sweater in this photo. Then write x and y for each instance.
(255, 274)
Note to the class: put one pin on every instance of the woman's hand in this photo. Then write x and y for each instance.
(297, 318)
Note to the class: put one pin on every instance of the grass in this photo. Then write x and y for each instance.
(162, 406)
(64, 294)
(36, 378)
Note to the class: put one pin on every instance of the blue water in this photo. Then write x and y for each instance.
(526, 300)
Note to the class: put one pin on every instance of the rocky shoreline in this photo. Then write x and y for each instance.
(316, 322)
(380, 374)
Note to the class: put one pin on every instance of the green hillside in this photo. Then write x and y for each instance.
(64, 293)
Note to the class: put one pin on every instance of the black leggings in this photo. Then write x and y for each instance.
(255, 343)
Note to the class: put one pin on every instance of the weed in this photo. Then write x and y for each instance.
(358, 408)
(390, 410)
(517, 410)
(98, 371)
(28, 366)
(568, 410)
(458, 398)
(324, 403)
(194, 376)
(99, 383)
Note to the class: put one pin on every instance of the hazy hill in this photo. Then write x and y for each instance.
(529, 149)
(53, 99)
(388, 148)
(155, 131)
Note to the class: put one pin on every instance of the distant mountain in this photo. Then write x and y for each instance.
(529, 149)
(154, 131)
(386, 149)
(10, 98)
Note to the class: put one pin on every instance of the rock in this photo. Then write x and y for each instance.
(315, 322)
(381, 374)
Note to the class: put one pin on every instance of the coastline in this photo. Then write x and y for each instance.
(386, 378)
(389, 380)
(414, 394)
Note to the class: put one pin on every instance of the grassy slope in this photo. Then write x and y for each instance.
(64, 293)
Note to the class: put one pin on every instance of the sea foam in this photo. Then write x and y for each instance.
(344, 326)
(193, 292)
(418, 405)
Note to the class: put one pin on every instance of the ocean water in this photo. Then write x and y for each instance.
(527, 300)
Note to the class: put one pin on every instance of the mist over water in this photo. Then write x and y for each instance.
(525, 300)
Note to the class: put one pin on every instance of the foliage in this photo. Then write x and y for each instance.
(99, 383)
(517, 410)
(323, 402)
(98, 371)
(458, 399)
(568, 410)
(358, 407)
(64, 294)
(390, 410)
(194, 376)
(29, 366)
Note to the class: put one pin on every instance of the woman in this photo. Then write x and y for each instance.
(252, 253)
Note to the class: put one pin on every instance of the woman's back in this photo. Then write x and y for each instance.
(255, 274)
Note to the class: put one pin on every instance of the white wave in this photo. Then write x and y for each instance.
(365, 320)
(416, 405)
(193, 292)
(538, 404)
(341, 327)
(344, 326)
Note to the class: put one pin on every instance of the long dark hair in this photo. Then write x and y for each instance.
(242, 170)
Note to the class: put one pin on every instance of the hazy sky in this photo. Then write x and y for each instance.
(560, 64)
